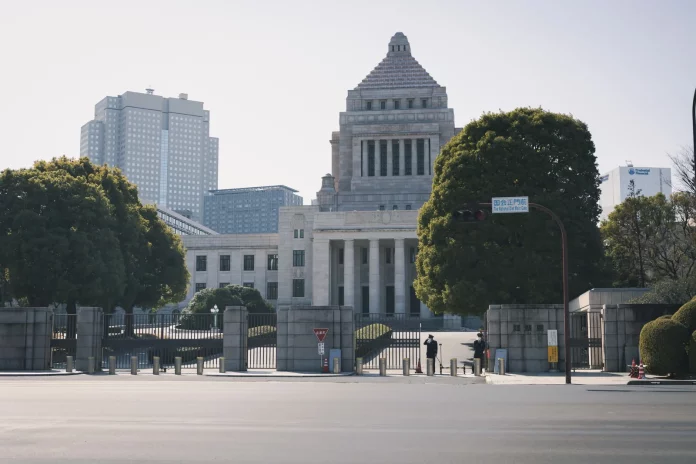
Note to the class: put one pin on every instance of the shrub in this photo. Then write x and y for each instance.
(692, 353)
(687, 315)
(371, 340)
(663, 347)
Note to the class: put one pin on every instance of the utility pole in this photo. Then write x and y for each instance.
(693, 124)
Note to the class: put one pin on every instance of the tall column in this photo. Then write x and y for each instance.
(377, 160)
(399, 277)
(402, 158)
(374, 277)
(414, 157)
(321, 278)
(349, 273)
(389, 158)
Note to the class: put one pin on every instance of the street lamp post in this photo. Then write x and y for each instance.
(215, 312)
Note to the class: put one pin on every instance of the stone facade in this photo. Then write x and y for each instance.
(25, 339)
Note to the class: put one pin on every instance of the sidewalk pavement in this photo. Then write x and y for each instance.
(52, 372)
(589, 377)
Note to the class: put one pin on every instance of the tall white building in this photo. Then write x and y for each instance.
(161, 144)
(616, 184)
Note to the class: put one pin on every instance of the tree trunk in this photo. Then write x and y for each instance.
(129, 322)
(71, 310)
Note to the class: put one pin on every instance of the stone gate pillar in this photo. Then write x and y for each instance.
(90, 330)
(235, 335)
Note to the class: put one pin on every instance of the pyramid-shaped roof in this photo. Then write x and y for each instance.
(398, 69)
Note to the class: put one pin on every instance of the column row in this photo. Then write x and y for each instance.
(395, 157)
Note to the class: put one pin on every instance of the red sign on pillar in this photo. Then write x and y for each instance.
(321, 334)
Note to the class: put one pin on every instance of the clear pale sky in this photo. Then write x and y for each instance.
(274, 74)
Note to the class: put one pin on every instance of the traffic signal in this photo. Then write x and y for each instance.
(472, 213)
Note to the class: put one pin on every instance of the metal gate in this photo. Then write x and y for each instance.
(63, 339)
(390, 336)
(262, 341)
(586, 340)
(166, 336)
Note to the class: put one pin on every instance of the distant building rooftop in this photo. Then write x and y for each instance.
(252, 189)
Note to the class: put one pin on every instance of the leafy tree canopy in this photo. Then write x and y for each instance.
(511, 258)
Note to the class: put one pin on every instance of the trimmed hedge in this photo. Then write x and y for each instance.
(372, 339)
(692, 353)
(687, 315)
(663, 347)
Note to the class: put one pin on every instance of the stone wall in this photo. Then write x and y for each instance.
(522, 330)
(25, 339)
(297, 344)
(621, 332)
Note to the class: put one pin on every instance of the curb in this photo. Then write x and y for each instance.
(661, 382)
(39, 374)
(276, 376)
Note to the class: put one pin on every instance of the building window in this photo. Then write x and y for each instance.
(395, 158)
(381, 207)
(408, 207)
(248, 284)
(388, 253)
(272, 290)
(272, 262)
(390, 299)
(424, 103)
(397, 104)
(412, 255)
(420, 153)
(248, 262)
(298, 258)
(408, 151)
(299, 233)
(383, 105)
(410, 104)
(395, 207)
(340, 256)
(365, 299)
(414, 303)
(199, 287)
(224, 263)
(223, 284)
(371, 158)
(340, 296)
(382, 158)
(201, 263)
(364, 255)
(298, 288)
(368, 105)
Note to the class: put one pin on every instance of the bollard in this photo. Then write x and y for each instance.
(199, 366)
(407, 367)
(68, 364)
(222, 365)
(382, 367)
(453, 367)
(477, 367)
(112, 365)
(134, 365)
(177, 365)
(358, 366)
(155, 365)
(430, 367)
(90, 365)
(501, 366)
(336, 365)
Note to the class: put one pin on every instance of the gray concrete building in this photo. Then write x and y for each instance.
(161, 144)
(251, 210)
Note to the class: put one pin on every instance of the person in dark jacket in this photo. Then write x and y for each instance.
(479, 348)
(431, 351)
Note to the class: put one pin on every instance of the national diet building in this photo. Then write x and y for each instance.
(357, 244)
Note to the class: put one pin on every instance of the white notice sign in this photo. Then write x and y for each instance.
(510, 205)
(553, 337)
(320, 347)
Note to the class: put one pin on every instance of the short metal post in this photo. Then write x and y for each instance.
(134, 365)
(155, 365)
(222, 365)
(112, 365)
(199, 366)
(358, 366)
(430, 367)
(69, 365)
(177, 365)
(407, 367)
(453, 367)
(477, 367)
(336, 365)
(501, 366)
(382, 367)
(90, 365)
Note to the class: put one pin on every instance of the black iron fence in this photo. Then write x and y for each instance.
(390, 336)
(63, 339)
(262, 340)
(586, 340)
(160, 335)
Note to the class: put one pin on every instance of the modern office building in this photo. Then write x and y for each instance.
(615, 185)
(161, 144)
(357, 244)
(252, 210)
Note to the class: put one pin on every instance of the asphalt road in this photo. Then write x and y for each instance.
(202, 420)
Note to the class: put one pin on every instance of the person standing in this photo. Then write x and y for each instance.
(479, 348)
(431, 351)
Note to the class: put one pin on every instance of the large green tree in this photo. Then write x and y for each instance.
(511, 258)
